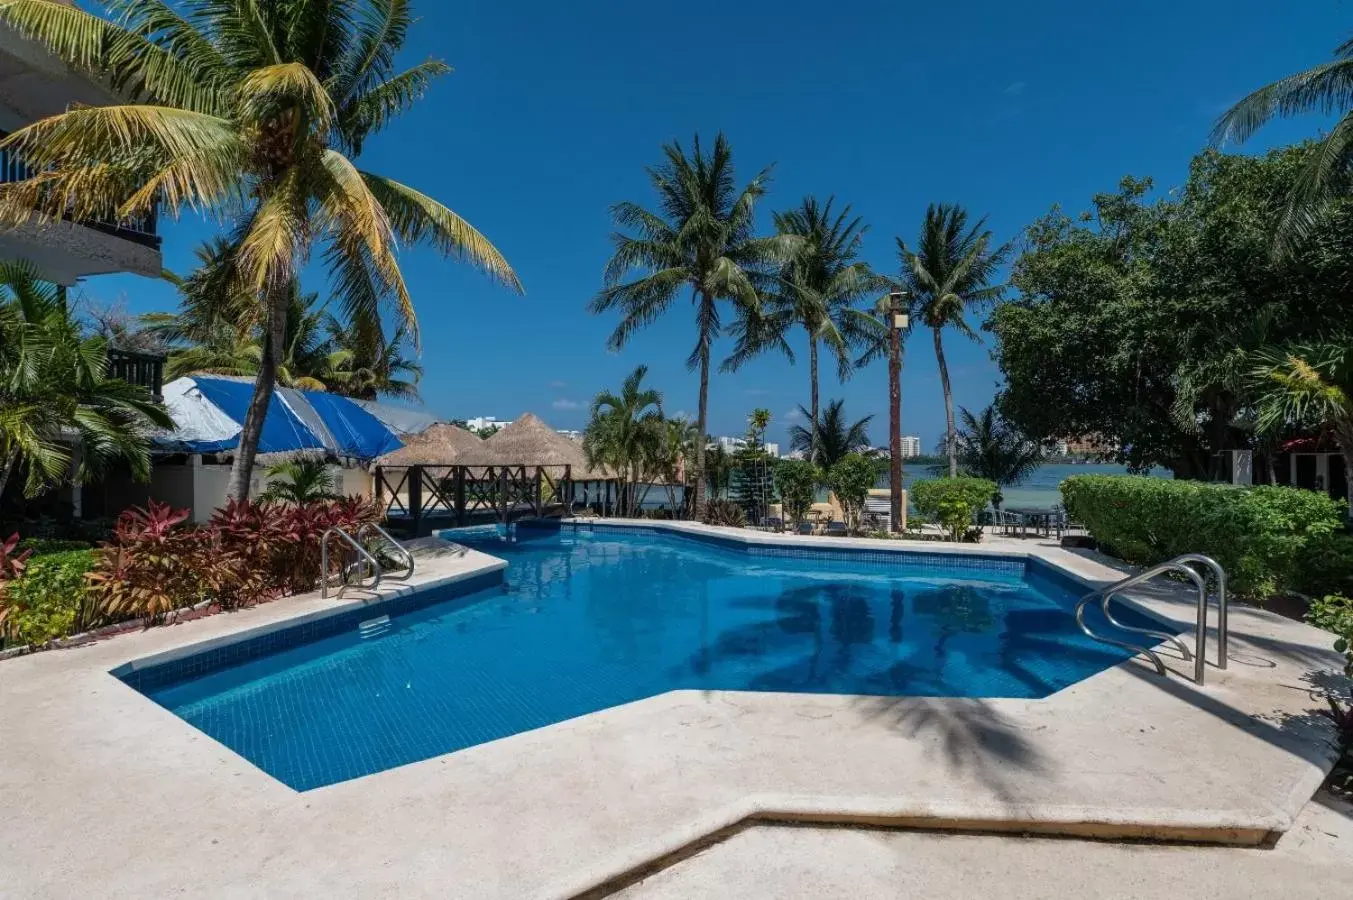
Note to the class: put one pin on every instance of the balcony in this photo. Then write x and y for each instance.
(143, 369)
(142, 230)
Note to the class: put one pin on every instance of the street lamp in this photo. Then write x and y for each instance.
(897, 323)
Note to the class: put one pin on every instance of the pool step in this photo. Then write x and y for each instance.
(373, 627)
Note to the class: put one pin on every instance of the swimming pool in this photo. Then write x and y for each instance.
(590, 619)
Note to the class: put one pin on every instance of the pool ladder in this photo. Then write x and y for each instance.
(352, 575)
(1181, 565)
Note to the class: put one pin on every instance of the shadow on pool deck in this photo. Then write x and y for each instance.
(974, 737)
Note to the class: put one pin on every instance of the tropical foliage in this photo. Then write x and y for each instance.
(850, 479)
(796, 481)
(836, 437)
(218, 329)
(253, 112)
(946, 276)
(1324, 175)
(300, 481)
(1140, 322)
(954, 503)
(990, 447)
(1262, 536)
(55, 393)
(817, 291)
(628, 436)
(1311, 386)
(701, 238)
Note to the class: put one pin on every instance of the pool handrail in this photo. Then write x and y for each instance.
(1182, 565)
(362, 556)
(398, 575)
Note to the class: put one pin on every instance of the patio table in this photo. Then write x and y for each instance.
(1038, 519)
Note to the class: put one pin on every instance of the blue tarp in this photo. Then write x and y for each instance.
(355, 431)
(282, 431)
(208, 413)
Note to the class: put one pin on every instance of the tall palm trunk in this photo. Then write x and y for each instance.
(242, 470)
(12, 457)
(949, 441)
(812, 375)
(702, 417)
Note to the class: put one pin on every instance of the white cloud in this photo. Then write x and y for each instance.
(794, 415)
(563, 404)
(1015, 88)
(558, 384)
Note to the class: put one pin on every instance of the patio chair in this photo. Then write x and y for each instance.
(805, 528)
(775, 523)
(836, 528)
(1009, 523)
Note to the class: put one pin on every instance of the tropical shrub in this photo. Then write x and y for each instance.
(953, 503)
(850, 479)
(1259, 535)
(797, 482)
(152, 566)
(299, 481)
(43, 546)
(1325, 566)
(1334, 613)
(724, 512)
(249, 552)
(51, 600)
(12, 563)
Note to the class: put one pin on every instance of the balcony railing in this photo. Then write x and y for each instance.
(142, 229)
(143, 369)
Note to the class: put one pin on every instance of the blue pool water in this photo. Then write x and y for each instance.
(587, 621)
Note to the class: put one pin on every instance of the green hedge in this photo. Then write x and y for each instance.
(1260, 535)
(953, 502)
(51, 600)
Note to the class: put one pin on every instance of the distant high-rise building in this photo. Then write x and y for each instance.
(911, 446)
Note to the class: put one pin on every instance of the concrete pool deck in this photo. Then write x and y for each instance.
(107, 794)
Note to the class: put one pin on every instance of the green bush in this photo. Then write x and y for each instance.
(1325, 566)
(724, 512)
(953, 503)
(850, 479)
(51, 600)
(1259, 535)
(44, 546)
(797, 482)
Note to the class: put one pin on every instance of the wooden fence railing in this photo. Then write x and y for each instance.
(426, 497)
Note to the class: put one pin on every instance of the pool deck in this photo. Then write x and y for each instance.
(107, 794)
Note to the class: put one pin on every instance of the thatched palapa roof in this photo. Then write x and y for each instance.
(441, 444)
(530, 442)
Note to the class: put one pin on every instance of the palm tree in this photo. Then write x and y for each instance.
(377, 366)
(251, 111)
(949, 273)
(992, 448)
(701, 238)
(1323, 89)
(819, 287)
(835, 437)
(300, 481)
(718, 475)
(54, 392)
(626, 435)
(1309, 385)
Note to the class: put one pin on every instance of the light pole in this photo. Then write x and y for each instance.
(897, 323)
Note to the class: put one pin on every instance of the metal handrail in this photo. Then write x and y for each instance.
(1184, 566)
(362, 555)
(400, 549)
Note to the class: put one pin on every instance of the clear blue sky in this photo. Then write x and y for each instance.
(555, 109)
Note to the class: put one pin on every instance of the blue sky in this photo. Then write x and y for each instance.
(555, 109)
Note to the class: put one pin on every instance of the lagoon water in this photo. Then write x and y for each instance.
(1040, 491)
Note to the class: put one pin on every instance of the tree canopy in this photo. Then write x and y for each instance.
(1136, 322)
